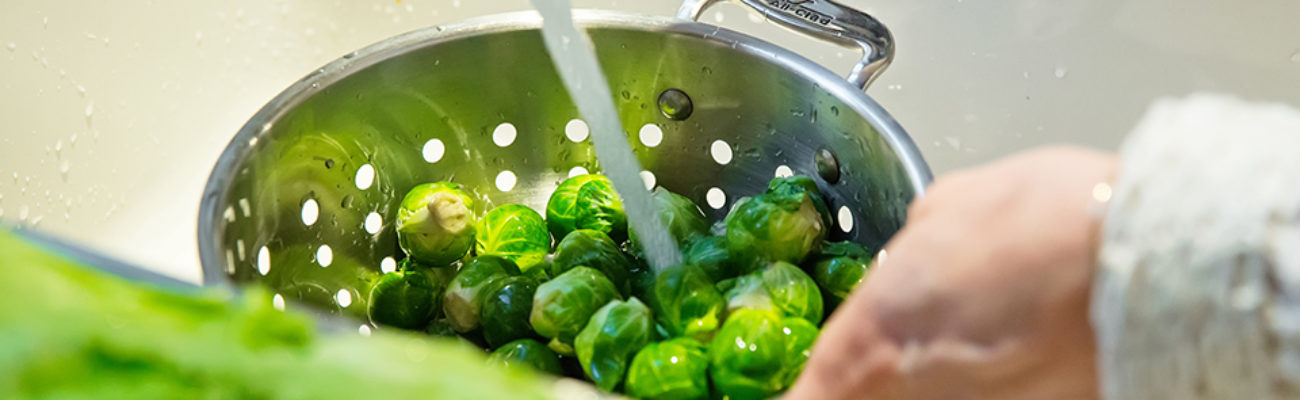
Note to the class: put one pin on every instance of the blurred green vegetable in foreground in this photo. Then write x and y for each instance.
(78, 333)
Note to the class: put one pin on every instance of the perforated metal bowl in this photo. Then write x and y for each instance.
(304, 197)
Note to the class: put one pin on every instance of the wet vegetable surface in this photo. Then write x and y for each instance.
(735, 320)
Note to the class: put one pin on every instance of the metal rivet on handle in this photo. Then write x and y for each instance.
(675, 104)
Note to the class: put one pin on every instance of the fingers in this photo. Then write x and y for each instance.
(851, 359)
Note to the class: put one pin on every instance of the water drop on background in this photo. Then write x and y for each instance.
(1295, 57)
(12, 46)
(1061, 72)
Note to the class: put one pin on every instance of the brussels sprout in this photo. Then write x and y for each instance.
(562, 306)
(802, 184)
(527, 352)
(748, 355)
(799, 337)
(435, 223)
(682, 217)
(793, 292)
(402, 299)
(776, 227)
(609, 340)
(686, 303)
(781, 287)
(677, 369)
(515, 232)
(463, 297)
(589, 248)
(746, 292)
(505, 308)
(712, 255)
(440, 327)
(838, 268)
(586, 202)
(599, 208)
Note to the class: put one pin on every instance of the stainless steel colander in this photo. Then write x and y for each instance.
(303, 199)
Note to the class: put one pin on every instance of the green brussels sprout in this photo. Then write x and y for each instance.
(793, 292)
(505, 308)
(435, 223)
(402, 299)
(589, 248)
(712, 255)
(776, 226)
(838, 268)
(802, 184)
(586, 202)
(642, 279)
(781, 287)
(682, 217)
(611, 338)
(799, 337)
(686, 303)
(515, 232)
(746, 292)
(463, 297)
(529, 353)
(677, 369)
(747, 357)
(440, 327)
(563, 306)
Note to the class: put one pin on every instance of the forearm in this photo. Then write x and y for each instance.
(1198, 291)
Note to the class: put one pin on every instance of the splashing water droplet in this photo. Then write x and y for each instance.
(1061, 72)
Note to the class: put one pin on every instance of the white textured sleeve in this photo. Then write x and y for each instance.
(1197, 295)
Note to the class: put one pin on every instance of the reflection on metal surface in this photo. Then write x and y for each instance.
(407, 104)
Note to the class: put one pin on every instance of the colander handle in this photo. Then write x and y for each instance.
(827, 20)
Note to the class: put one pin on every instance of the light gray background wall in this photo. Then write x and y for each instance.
(113, 112)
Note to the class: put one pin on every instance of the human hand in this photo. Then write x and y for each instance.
(982, 295)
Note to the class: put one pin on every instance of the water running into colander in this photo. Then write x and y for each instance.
(572, 53)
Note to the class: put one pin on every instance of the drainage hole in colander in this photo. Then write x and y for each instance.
(344, 298)
(230, 262)
(365, 176)
(388, 264)
(310, 211)
(264, 261)
(373, 223)
(504, 134)
(324, 255)
(239, 247)
(716, 198)
(506, 181)
(721, 152)
(578, 170)
(784, 172)
(433, 150)
(845, 217)
(576, 130)
(278, 302)
(649, 178)
(651, 135)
